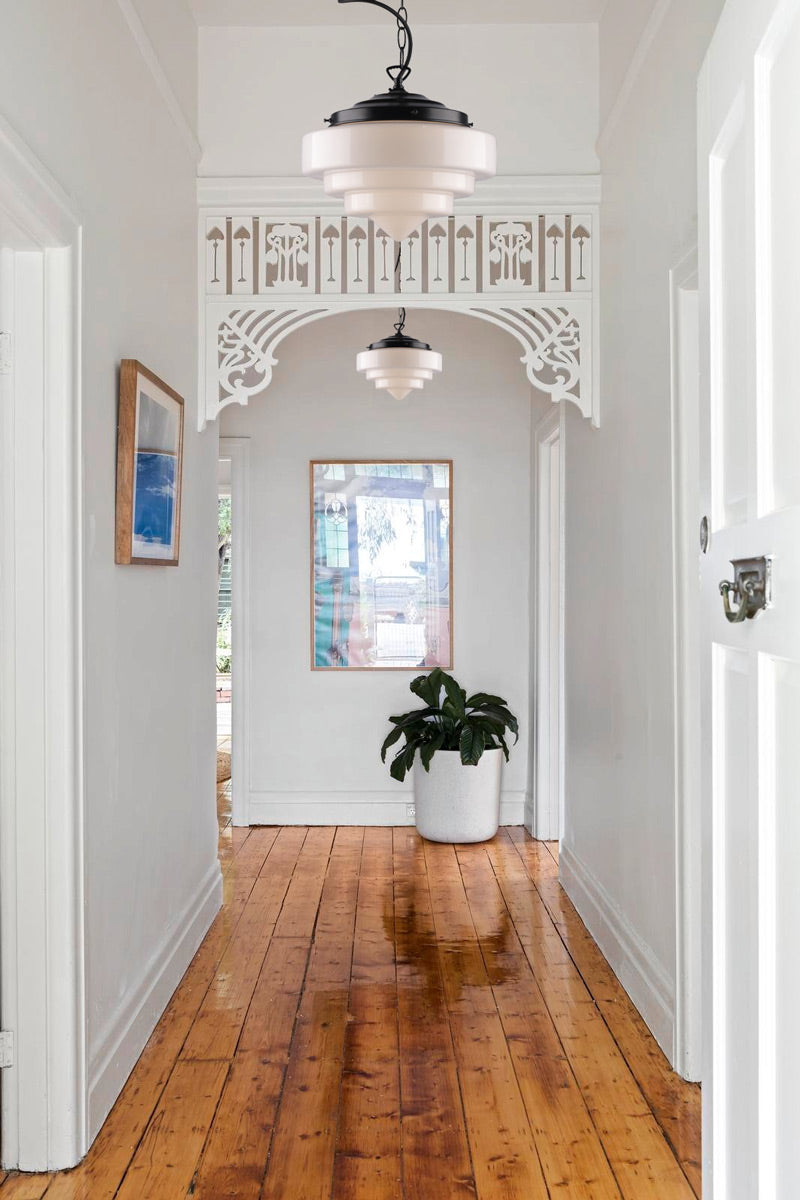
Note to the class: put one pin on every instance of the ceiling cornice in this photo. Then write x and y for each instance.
(160, 77)
(321, 14)
(503, 193)
(635, 68)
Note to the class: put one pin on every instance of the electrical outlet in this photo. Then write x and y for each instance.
(411, 810)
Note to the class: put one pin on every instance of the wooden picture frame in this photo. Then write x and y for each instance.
(149, 469)
(433, 638)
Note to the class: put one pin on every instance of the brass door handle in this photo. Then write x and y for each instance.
(751, 588)
(734, 615)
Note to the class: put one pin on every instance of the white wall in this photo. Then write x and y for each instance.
(533, 86)
(75, 86)
(315, 736)
(620, 31)
(618, 858)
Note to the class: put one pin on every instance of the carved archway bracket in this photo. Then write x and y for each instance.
(242, 341)
(265, 276)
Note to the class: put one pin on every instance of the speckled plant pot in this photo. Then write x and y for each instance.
(455, 803)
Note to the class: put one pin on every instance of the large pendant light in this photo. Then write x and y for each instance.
(399, 363)
(398, 157)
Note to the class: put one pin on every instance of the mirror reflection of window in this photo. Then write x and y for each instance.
(382, 565)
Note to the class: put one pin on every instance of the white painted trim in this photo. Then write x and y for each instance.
(123, 1041)
(642, 975)
(635, 68)
(41, 807)
(165, 88)
(504, 193)
(354, 808)
(63, 555)
(237, 449)
(548, 625)
(592, 352)
(49, 221)
(687, 1053)
(8, 736)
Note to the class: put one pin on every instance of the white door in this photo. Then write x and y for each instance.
(749, 215)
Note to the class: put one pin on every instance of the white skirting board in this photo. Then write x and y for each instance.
(125, 1038)
(643, 976)
(354, 808)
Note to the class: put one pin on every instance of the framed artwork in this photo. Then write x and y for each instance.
(382, 565)
(149, 464)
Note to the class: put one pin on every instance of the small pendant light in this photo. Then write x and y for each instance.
(399, 157)
(399, 363)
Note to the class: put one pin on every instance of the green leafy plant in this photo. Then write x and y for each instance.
(451, 720)
(224, 645)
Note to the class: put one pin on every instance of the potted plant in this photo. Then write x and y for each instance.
(461, 742)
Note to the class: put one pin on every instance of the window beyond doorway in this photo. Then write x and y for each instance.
(224, 644)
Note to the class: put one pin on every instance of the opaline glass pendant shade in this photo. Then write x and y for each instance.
(399, 172)
(399, 369)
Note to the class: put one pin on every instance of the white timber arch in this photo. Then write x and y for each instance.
(275, 256)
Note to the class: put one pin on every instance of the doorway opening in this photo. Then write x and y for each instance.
(547, 768)
(232, 600)
(224, 647)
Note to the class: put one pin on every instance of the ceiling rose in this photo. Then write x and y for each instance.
(399, 157)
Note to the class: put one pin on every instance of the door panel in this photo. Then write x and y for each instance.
(777, 92)
(783, 680)
(736, 888)
(749, 201)
(730, 320)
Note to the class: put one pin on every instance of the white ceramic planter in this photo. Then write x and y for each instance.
(455, 803)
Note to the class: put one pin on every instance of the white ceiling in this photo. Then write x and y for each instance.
(421, 12)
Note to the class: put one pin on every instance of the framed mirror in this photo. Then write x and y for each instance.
(382, 565)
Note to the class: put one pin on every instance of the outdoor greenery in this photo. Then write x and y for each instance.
(468, 724)
(224, 518)
(224, 644)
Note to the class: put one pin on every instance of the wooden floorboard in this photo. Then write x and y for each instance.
(675, 1103)
(374, 1017)
(635, 1143)
(571, 1152)
(435, 1149)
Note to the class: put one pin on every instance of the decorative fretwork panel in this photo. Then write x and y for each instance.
(322, 255)
(266, 276)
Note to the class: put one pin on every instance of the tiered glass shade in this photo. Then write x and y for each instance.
(399, 158)
(399, 364)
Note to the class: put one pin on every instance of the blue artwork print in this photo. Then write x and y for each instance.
(154, 505)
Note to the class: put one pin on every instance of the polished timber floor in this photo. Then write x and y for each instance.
(374, 1017)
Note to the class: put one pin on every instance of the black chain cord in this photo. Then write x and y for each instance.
(400, 73)
(402, 37)
(398, 274)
